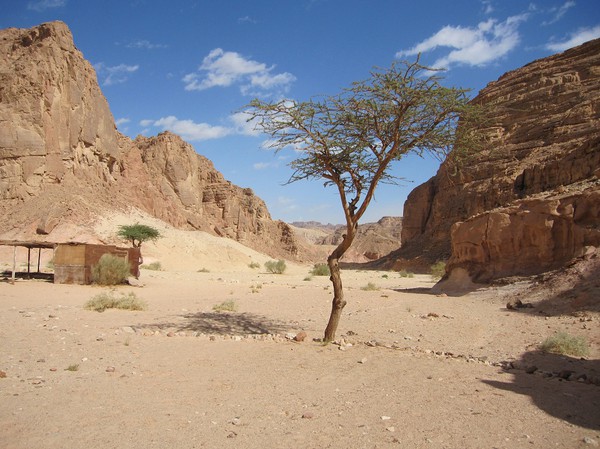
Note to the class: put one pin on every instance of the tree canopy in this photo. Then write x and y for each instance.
(138, 233)
(351, 139)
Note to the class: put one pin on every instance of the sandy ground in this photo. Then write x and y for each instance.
(414, 370)
(411, 369)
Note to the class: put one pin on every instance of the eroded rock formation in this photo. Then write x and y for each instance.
(531, 202)
(63, 161)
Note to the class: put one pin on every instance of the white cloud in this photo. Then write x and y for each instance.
(559, 12)
(286, 203)
(243, 125)
(188, 129)
(142, 43)
(263, 165)
(223, 69)
(246, 19)
(577, 38)
(121, 121)
(475, 46)
(115, 74)
(42, 5)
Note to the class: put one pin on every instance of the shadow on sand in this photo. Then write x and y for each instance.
(564, 387)
(218, 323)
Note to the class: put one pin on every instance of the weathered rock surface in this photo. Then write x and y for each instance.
(532, 202)
(62, 161)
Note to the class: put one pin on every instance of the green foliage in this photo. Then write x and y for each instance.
(110, 270)
(565, 344)
(370, 287)
(406, 274)
(320, 269)
(154, 266)
(103, 301)
(275, 266)
(73, 367)
(384, 276)
(254, 265)
(438, 270)
(225, 306)
(138, 233)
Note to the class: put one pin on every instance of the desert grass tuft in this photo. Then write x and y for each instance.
(320, 269)
(225, 306)
(566, 344)
(370, 287)
(73, 367)
(438, 270)
(154, 266)
(109, 300)
(275, 266)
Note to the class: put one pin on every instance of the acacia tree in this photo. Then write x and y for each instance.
(351, 139)
(138, 233)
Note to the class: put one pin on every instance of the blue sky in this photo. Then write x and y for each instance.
(190, 66)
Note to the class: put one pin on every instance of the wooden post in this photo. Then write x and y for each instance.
(14, 264)
(39, 257)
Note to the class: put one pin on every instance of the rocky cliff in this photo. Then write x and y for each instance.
(530, 203)
(62, 161)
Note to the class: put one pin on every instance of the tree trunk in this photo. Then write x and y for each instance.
(338, 302)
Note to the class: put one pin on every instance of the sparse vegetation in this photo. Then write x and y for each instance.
(370, 287)
(308, 278)
(438, 270)
(384, 276)
(320, 269)
(254, 265)
(73, 367)
(225, 306)
(565, 344)
(275, 266)
(203, 270)
(110, 270)
(406, 274)
(255, 288)
(154, 266)
(109, 300)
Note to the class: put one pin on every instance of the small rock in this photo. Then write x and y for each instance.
(300, 336)
(53, 369)
(170, 334)
(390, 429)
(308, 415)
(290, 336)
(235, 421)
(110, 369)
(128, 329)
(531, 369)
(2, 374)
(386, 418)
(590, 441)
(363, 360)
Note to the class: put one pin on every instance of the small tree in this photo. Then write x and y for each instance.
(350, 140)
(138, 233)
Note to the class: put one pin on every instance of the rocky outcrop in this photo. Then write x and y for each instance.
(530, 203)
(63, 161)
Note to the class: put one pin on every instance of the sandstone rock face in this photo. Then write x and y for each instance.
(531, 203)
(62, 161)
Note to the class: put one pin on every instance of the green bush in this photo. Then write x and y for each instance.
(254, 265)
(320, 269)
(563, 343)
(110, 270)
(103, 301)
(370, 287)
(438, 270)
(225, 306)
(154, 266)
(275, 266)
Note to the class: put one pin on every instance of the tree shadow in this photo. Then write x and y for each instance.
(417, 290)
(564, 387)
(221, 323)
(6, 276)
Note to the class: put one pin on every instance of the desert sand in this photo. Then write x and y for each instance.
(411, 369)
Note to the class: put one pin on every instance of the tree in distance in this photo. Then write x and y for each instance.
(138, 233)
(351, 139)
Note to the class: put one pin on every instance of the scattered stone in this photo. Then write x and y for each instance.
(514, 304)
(110, 369)
(290, 336)
(2, 374)
(300, 336)
(235, 421)
(565, 374)
(128, 329)
(386, 418)
(390, 429)
(308, 415)
(363, 360)
(170, 334)
(41, 360)
(590, 441)
(531, 369)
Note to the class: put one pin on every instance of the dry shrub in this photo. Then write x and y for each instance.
(110, 270)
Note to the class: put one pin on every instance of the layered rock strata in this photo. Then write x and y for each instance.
(530, 203)
(62, 160)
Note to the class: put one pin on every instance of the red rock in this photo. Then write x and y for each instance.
(300, 336)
